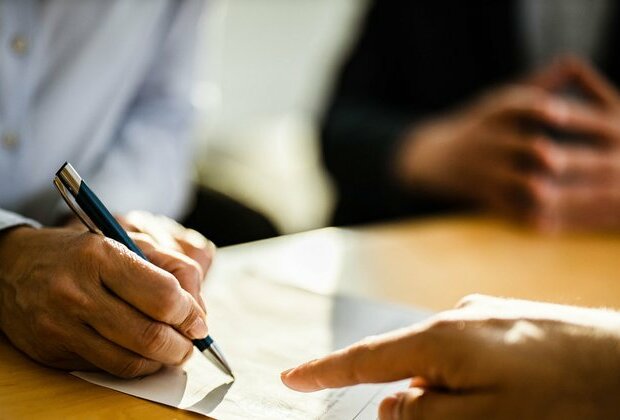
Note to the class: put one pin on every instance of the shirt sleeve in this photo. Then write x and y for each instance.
(148, 167)
(9, 220)
(369, 116)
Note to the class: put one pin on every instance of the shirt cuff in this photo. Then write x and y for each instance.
(9, 220)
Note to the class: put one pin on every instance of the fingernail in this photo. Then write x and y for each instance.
(397, 409)
(198, 329)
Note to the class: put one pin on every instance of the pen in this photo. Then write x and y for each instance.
(91, 211)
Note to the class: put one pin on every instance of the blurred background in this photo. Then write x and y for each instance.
(264, 71)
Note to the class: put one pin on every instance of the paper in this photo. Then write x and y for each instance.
(179, 387)
(264, 328)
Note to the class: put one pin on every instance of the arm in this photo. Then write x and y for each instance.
(363, 125)
(148, 167)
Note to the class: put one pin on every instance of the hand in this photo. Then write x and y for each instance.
(75, 300)
(490, 358)
(171, 235)
(165, 233)
(485, 155)
(493, 154)
(589, 176)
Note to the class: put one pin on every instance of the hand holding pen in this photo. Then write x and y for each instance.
(83, 305)
(148, 230)
(93, 213)
(78, 301)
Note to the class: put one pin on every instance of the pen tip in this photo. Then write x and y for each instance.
(215, 355)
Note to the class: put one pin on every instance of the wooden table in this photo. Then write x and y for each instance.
(428, 263)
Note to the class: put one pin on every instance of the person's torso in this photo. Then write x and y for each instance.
(451, 51)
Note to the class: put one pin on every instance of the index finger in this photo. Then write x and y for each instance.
(387, 358)
(183, 268)
(153, 291)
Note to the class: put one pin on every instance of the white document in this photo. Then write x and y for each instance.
(264, 328)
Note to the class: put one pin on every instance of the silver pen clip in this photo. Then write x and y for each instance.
(64, 192)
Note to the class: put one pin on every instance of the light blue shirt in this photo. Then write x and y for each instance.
(104, 85)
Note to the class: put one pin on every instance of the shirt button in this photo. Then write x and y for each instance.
(10, 141)
(19, 45)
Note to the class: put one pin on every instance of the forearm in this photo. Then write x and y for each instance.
(360, 139)
(362, 143)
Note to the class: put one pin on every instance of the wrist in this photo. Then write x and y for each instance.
(10, 240)
(13, 242)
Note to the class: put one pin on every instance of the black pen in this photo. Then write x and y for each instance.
(91, 211)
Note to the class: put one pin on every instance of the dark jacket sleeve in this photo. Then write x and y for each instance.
(362, 126)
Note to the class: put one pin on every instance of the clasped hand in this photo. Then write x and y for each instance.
(499, 152)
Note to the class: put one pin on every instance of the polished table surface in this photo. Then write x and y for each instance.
(427, 263)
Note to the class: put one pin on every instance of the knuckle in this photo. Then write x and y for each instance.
(356, 353)
(517, 97)
(47, 329)
(540, 107)
(92, 246)
(441, 329)
(185, 356)
(363, 356)
(542, 152)
(194, 273)
(132, 367)
(188, 320)
(109, 247)
(58, 285)
(540, 147)
(154, 339)
(167, 302)
(68, 295)
(192, 269)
